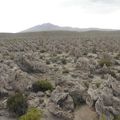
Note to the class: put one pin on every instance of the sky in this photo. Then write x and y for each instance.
(18, 15)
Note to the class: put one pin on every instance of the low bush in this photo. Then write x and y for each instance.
(98, 83)
(47, 62)
(103, 117)
(17, 104)
(117, 56)
(32, 114)
(63, 61)
(42, 85)
(106, 62)
(65, 71)
(117, 117)
(113, 74)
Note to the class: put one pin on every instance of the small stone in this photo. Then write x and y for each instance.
(40, 94)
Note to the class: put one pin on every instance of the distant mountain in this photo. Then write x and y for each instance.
(52, 27)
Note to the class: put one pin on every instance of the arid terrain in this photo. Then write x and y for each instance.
(82, 68)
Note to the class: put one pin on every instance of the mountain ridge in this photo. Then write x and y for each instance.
(52, 27)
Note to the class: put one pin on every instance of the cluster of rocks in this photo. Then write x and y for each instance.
(80, 71)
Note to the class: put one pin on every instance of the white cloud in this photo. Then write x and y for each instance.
(17, 15)
(106, 1)
(103, 6)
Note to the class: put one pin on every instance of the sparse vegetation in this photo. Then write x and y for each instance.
(112, 73)
(71, 60)
(42, 51)
(63, 60)
(65, 71)
(117, 56)
(98, 84)
(77, 99)
(86, 84)
(105, 61)
(32, 114)
(42, 85)
(47, 62)
(103, 117)
(117, 117)
(17, 104)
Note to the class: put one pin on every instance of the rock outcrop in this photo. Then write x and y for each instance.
(109, 99)
(61, 104)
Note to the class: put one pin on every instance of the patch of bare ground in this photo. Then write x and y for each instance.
(5, 118)
(85, 113)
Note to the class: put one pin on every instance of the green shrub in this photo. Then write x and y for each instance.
(47, 62)
(63, 61)
(106, 62)
(103, 117)
(42, 85)
(98, 83)
(32, 114)
(65, 71)
(86, 84)
(17, 104)
(42, 51)
(117, 56)
(117, 117)
(113, 74)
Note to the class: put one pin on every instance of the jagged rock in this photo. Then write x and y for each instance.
(4, 112)
(107, 56)
(118, 76)
(109, 99)
(117, 62)
(40, 94)
(83, 64)
(89, 101)
(105, 69)
(78, 92)
(94, 91)
(61, 104)
(5, 115)
(3, 93)
(12, 78)
(6, 75)
(27, 64)
(26, 58)
(74, 88)
(3, 103)
(48, 93)
(22, 81)
(92, 55)
(36, 100)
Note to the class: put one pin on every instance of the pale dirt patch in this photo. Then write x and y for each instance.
(6, 118)
(85, 113)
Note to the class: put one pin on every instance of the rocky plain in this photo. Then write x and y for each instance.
(82, 67)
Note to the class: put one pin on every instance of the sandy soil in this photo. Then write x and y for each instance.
(85, 113)
(5, 118)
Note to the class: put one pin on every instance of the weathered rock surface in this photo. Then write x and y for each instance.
(61, 104)
(75, 57)
(109, 99)
(73, 87)
(31, 65)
